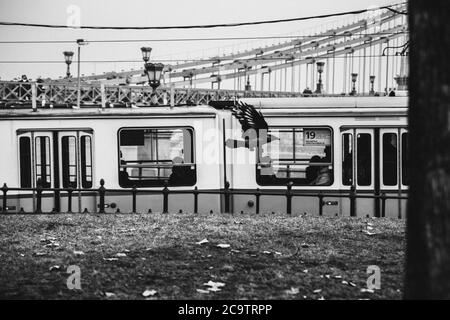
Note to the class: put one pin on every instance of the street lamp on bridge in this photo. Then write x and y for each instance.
(152, 70)
(354, 77)
(68, 56)
(320, 65)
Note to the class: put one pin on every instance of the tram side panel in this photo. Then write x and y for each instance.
(207, 169)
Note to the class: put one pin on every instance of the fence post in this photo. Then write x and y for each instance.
(352, 197)
(69, 200)
(101, 192)
(165, 198)
(195, 199)
(257, 195)
(4, 189)
(320, 203)
(134, 192)
(227, 197)
(383, 204)
(39, 196)
(289, 197)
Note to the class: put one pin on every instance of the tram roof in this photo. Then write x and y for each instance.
(96, 112)
(328, 102)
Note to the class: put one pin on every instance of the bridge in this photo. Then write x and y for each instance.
(367, 56)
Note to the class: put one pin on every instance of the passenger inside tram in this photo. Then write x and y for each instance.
(181, 174)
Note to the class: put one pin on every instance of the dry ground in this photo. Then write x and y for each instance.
(270, 257)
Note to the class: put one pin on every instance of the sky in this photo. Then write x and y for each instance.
(149, 13)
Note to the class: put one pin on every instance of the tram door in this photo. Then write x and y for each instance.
(374, 162)
(358, 167)
(393, 168)
(59, 159)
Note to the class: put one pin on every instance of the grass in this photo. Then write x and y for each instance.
(270, 256)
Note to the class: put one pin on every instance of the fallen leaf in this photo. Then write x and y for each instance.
(234, 250)
(276, 252)
(317, 291)
(40, 253)
(223, 245)
(367, 290)
(214, 284)
(120, 254)
(321, 298)
(202, 291)
(79, 253)
(344, 282)
(305, 271)
(337, 277)
(110, 259)
(56, 267)
(202, 241)
(109, 294)
(148, 293)
(214, 289)
(292, 290)
(267, 252)
(351, 284)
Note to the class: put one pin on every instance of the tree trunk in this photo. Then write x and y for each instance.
(428, 218)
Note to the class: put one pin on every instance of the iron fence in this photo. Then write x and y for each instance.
(226, 192)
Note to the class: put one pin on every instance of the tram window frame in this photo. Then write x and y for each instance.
(25, 164)
(389, 160)
(187, 169)
(367, 161)
(86, 162)
(404, 157)
(273, 180)
(347, 159)
(43, 156)
(66, 165)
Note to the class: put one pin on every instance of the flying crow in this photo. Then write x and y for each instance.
(254, 127)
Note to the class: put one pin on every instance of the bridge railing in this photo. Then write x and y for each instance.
(226, 192)
(48, 95)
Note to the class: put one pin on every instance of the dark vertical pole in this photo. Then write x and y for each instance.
(165, 198)
(257, 196)
(352, 197)
(134, 192)
(69, 200)
(39, 196)
(101, 192)
(227, 197)
(4, 189)
(320, 203)
(57, 195)
(289, 198)
(377, 172)
(383, 204)
(195, 199)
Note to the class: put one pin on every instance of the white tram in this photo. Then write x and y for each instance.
(359, 141)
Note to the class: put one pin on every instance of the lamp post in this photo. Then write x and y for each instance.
(68, 56)
(80, 43)
(320, 65)
(372, 80)
(354, 77)
(152, 70)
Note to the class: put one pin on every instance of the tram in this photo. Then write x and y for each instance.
(319, 144)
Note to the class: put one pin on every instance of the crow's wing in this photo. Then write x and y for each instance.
(249, 117)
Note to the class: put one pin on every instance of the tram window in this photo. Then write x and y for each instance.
(301, 155)
(68, 162)
(43, 166)
(25, 162)
(390, 159)
(149, 157)
(364, 159)
(347, 159)
(405, 177)
(86, 161)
